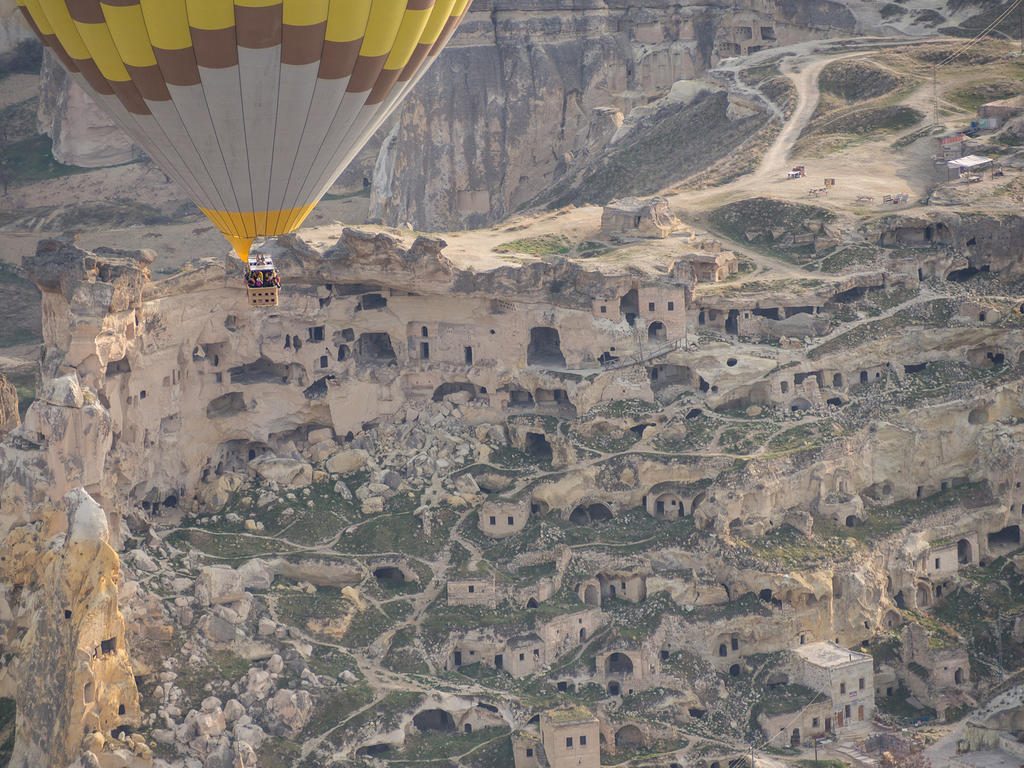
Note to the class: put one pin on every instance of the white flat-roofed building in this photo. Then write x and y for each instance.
(846, 676)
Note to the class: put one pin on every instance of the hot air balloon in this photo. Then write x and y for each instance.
(253, 106)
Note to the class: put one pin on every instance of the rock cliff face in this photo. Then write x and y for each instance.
(13, 28)
(71, 671)
(9, 417)
(521, 91)
(541, 405)
(82, 133)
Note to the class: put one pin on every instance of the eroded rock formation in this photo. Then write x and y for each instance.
(9, 417)
(71, 674)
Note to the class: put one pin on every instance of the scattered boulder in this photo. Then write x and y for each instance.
(287, 472)
(218, 584)
(346, 462)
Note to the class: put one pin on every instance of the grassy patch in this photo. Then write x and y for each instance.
(367, 626)
(31, 159)
(891, 518)
(930, 314)
(494, 753)
(855, 81)
(336, 706)
(862, 122)
(434, 745)
(227, 546)
(605, 442)
(850, 256)
(399, 533)
(787, 698)
(743, 439)
(700, 432)
(972, 609)
(299, 609)
(403, 656)
(331, 662)
(773, 225)
(220, 665)
(622, 409)
(799, 436)
(898, 707)
(541, 245)
(979, 92)
(787, 546)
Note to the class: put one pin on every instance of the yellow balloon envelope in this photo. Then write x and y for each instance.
(253, 106)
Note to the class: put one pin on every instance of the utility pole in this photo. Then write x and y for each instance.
(751, 756)
(935, 94)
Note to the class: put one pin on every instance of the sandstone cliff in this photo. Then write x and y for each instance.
(13, 28)
(9, 417)
(512, 103)
(82, 133)
(71, 673)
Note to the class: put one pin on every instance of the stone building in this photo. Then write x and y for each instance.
(952, 147)
(791, 729)
(527, 652)
(845, 676)
(625, 667)
(628, 585)
(948, 679)
(473, 591)
(502, 520)
(636, 217)
(713, 267)
(998, 112)
(571, 738)
(527, 751)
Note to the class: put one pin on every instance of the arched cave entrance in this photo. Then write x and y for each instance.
(629, 736)
(434, 720)
(656, 331)
(538, 447)
(389, 576)
(618, 664)
(594, 513)
(963, 552)
(545, 348)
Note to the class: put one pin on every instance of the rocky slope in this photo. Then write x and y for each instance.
(513, 73)
(305, 497)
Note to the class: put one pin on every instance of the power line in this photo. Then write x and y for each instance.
(984, 33)
(967, 46)
(735, 763)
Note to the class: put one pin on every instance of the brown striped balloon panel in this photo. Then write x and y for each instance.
(253, 106)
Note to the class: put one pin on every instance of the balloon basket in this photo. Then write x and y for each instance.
(262, 297)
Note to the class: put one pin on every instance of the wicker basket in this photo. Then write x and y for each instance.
(265, 296)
